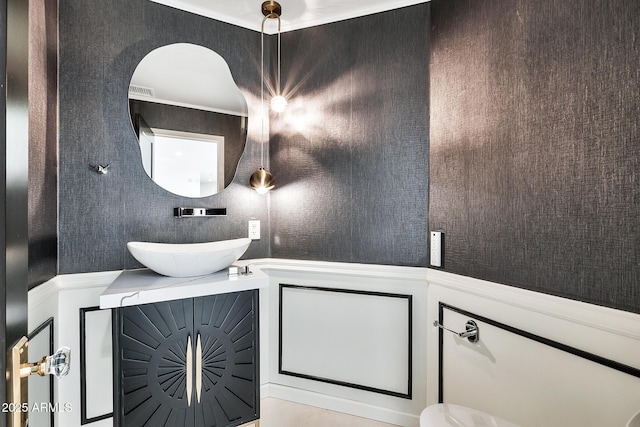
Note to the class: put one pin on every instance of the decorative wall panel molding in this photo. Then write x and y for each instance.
(540, 359)
(41, 344)
(96, 361)
(358, 339)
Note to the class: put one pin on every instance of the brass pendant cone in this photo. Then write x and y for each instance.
(262, 181)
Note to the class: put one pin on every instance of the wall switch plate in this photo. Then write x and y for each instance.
(254, 229)
(436, 248)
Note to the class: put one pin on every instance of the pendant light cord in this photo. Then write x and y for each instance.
(279, 93)
(269, 16)
(262, 94)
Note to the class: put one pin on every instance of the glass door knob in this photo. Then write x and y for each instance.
(57, 364)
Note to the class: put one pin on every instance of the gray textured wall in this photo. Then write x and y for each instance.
(43, 141)
(535, 126)
(101, 42)
(350, 155)
(364, 82)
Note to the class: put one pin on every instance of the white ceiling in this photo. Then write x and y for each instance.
(190, 76)
(296, 14)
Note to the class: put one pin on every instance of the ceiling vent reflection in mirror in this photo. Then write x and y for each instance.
(141, 91)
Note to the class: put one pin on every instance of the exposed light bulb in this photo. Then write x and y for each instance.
(279, 103)
(262, 190)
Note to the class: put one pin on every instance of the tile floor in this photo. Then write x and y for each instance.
(282, 413)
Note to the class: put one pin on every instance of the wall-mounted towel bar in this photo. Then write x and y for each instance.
(198, 212)
(472, 332)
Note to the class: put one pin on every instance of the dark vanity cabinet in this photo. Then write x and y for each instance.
(189, 362)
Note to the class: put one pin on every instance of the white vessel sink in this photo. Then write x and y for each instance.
(191, 259)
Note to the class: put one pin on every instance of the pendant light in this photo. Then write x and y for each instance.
(261, 180)
(272, 10)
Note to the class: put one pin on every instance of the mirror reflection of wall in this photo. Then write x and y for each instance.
(188, 90)
(184, 163)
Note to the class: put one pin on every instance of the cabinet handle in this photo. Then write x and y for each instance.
(189, 371)
(198, 368)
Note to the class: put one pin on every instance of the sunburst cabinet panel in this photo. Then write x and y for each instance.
(191, 362)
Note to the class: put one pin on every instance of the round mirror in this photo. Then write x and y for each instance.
(190, 119)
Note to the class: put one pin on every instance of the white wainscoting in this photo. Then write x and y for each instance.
(347, 323)
(62, 298)
(377, 319)
(96, 362)
(532, 363)
(357, 339)
(507, 374)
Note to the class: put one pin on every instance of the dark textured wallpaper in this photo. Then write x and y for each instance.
(535, 144)
(350, 159)
(350, 155)
(43, 140)
(101, 42)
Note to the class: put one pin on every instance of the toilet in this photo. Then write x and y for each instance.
(448, 415)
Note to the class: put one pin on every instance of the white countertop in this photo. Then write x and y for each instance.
(135, 287)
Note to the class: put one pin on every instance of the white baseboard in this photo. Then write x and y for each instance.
(337, 404)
